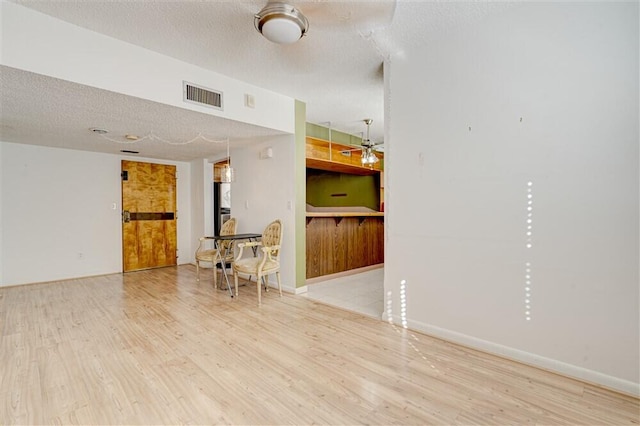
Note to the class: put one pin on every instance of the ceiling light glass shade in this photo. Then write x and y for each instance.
(281, 23)
(368, 157)
(227, 174)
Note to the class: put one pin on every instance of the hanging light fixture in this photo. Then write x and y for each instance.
(368, 157)
(281, 23)
(227, 174)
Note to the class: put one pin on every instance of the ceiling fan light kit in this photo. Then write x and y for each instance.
(281, 23)
(368, 158)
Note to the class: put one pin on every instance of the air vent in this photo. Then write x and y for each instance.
(201, 95)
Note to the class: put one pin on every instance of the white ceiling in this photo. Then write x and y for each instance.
(336, 68)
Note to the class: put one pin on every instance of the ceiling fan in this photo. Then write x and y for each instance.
(368, 148)
(286, 21)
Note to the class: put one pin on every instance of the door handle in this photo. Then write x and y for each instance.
(126, 216)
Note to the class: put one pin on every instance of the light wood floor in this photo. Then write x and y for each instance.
(157, 347)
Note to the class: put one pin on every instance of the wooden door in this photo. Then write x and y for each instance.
(149, 215)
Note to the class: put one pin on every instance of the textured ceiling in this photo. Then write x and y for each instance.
(336, 68)
(65, 111)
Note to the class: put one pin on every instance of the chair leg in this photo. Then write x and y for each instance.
(197, 271)
(279, 285)
(235, 281)
(258, 279)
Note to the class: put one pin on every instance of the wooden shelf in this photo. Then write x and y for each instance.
(336, 157)
(334, 166)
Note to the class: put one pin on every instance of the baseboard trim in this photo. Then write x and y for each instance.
(574, 372)
(301, 290)
(344, 273)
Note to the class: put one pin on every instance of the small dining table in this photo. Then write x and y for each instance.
(222, 251)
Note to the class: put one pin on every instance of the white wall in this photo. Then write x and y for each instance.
(58, 219)
(264, 190)
(198, 195)
(542, 93)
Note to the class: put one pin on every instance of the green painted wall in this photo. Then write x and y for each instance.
(331, 189)
(301, 189)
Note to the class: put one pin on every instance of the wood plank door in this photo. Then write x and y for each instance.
(149, 219)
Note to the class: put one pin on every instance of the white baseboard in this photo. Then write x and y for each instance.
(559, 367)
(343, 274)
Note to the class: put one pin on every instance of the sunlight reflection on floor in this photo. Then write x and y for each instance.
(362, 293)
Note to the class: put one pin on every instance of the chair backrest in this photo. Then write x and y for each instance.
(228, 228)
(272, 236)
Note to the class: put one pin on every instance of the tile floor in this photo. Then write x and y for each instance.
(362, 293)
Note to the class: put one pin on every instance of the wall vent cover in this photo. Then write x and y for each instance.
(201, 95)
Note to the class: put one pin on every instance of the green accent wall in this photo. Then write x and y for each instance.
(301, 191)
(332, 189)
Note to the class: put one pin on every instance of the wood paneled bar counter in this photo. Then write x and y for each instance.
(341, 241)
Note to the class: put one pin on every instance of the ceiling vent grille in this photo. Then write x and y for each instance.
(201, 95)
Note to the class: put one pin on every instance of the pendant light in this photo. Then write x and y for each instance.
(227, 174)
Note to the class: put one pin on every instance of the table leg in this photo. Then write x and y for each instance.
(221, 257)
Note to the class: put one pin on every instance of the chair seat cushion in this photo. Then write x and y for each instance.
(207, 255)
(210, 255)
(249, 265)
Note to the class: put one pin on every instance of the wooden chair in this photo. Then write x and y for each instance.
(206, 255)
(266, 263)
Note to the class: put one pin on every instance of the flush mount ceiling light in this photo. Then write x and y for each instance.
(281, 23)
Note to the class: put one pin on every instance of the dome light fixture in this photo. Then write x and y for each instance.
(281, 23)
